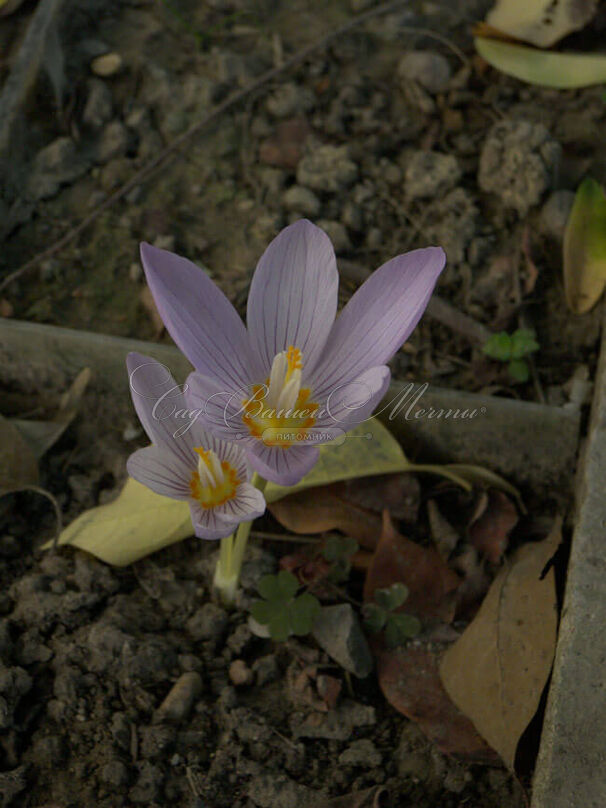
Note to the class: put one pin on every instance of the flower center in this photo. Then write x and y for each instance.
(214, 482)
(280, 411)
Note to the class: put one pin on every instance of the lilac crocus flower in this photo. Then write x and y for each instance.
(296, 376)
(184, 462)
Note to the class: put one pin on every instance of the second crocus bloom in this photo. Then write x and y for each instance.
(184, 461)
(296, 377)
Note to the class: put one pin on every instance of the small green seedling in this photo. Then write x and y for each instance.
(379, 615)
(282, 612)
(512, 348)
(338, 551)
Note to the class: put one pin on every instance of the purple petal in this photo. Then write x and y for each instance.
(247, 505)
(220, 410)
(161, 471)
(293, 294)
(282, 466)
(354, 402)
(199, 317)
(378, 318)
(208, 524)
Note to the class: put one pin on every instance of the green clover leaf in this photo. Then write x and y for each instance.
(523, 343)
(339, 548)
(399, 628)
(282, 612)
(498, 346)
(374, 617)
(391, 597)
(518, 370)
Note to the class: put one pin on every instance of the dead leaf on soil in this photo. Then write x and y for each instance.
(540, 22)
(320, 509)
(585, 247)
(496, 672)
(430, 581)
(410, 681)
(555, 69)
(41, 435)
(489, 532)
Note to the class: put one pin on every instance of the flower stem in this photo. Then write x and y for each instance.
(231, 556)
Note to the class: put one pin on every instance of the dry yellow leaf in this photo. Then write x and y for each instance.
(496, 672)
(585, 248)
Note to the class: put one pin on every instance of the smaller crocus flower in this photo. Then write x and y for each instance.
(185, 462)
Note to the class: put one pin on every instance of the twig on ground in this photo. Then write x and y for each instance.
(172, 149)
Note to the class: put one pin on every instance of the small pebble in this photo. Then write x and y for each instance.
(239, 673)
(177, 705)
(107, 65)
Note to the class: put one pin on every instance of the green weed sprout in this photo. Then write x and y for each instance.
(379, 615)
(338, 551)
(282, 612)
(512, 348)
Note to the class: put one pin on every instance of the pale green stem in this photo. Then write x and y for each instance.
(231, 555)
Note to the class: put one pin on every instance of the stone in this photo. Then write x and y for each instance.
(301, 199)
(453, 223)
(99, 104)
(207, 623)
(107, 65)
(266, 670)
(430, 174)
(430, 69)
(337, 724)
(353, 216)
(327, 168)
(284, 148)
(114, 774)
(555, 213)
(276, 790)
(55, 165)
(361, 753)
(289, 99)
(113, 142)
(338, 632)
(337, 234)
(239, 673)
(181, 698)
(518, 163)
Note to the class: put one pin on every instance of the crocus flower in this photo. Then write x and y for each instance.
(185, 462)
(296, 376)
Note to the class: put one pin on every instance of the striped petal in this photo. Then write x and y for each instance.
(282, 466)
(161, 471)
(199, 318)
(293, 295)
(208, 524)
(247, 505)
(350, 404)
(378, 319)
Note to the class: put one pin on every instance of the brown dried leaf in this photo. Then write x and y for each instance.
(496, 672)
(409, 679)
(431, 583)
(316, 510)
(489, 533)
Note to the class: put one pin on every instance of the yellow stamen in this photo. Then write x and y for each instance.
(281, 413)
(215, 481)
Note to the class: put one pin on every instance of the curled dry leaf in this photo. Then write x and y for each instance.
(319, 509)
(540, 22)
(431, 583)
(496, 672)
(489, 533)
(585, 247)
(545, 68)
